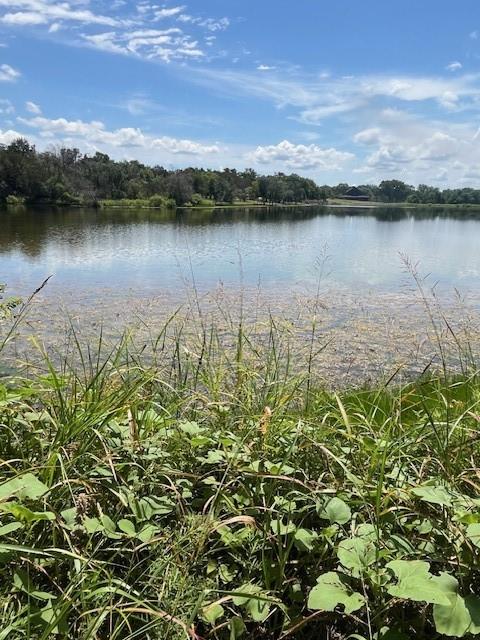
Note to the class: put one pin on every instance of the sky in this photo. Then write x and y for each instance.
(337, 90)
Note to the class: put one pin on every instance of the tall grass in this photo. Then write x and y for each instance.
(204, 486)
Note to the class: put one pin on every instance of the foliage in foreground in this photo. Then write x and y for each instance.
(140, 505)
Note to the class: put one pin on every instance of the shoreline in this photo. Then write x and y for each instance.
(329, 204)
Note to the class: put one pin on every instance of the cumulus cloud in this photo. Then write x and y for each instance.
(265, 67)
(300, 156)
(8, 73)
(417, 150)
(24, 18)
(96, 133)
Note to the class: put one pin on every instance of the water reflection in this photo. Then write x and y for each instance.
(152, 249)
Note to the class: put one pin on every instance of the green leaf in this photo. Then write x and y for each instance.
(252, 598)
(337, 511)
(22, 582)
(147, 533)
(331, 591)
(190, 428)
(19, 512)
(434, 495)
(452, 619)
(127, 527)
(93, 525)
(416, 583)
(356, 554)
(22, 487)
(237, 628)
(212, 612)
(281, 529)
(473, 605)
(473, 534)
(214, 456)
(10, 528)
(304, 539)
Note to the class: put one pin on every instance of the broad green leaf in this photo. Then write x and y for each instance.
(190, 428)
(93, 525)
(19, 512)
(337, 511)
(22, 487)
(127, 527)
(415, 582)
(452, 619)
(473, 605)
(356, 554)
(69, 516)
(147, 533)
(22, 581)
(281, 528)
(304, 539)
(473, 534)
(434, 495)
(212, 612)
(331, 591)
(214, 456)
(252, 598)
(150, 506)
(237, 628)
(10, 528)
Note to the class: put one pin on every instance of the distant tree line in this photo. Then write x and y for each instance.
(398, 191)
(65, 176)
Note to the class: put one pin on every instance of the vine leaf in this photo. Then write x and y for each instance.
(415, 582)
(331, 591)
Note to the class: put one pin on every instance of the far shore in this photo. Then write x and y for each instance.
(332, 203)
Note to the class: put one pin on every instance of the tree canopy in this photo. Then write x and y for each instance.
(66, 176)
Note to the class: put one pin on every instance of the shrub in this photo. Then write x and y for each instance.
(13, 200)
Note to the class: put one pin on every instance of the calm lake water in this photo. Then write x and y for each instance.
(152, 251)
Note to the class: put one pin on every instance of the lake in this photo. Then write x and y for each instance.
(151, 251)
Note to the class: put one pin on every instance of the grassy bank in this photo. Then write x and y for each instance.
(340, 202)
(218, 493)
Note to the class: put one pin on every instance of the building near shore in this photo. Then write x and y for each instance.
(355, 194)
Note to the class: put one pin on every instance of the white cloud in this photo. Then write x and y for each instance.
(31, 107)
(36, 12)
(24, 18)
(418, 150)
(211, 24)
(160, 14)
(154, 44)
(300, 156)
(316, 98)
(454, 66)
(265, 67)
(96, 133)
(123, 26)
(474, 35)
(8, 73)
(6, 137)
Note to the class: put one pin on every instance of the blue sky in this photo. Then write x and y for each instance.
(340, 90)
